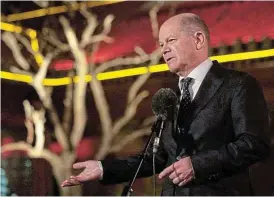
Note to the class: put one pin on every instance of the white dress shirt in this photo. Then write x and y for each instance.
(197, 75)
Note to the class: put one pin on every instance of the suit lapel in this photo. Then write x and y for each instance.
(210, 85)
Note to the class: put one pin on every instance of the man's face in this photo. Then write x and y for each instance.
(178, 46)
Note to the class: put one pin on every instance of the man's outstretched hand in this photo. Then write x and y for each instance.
(180, 172)
(92, 172)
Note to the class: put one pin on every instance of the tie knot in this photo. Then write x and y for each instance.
(185, 83)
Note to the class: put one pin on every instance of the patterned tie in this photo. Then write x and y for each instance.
(186, 100)
(184, 104)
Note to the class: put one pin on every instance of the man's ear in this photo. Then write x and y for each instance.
(199, 39)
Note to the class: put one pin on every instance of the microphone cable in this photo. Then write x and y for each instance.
(154, 151)
(154, 174)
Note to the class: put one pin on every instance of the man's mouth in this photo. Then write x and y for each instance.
(168, 59)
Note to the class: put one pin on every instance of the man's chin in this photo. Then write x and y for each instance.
(173, 69)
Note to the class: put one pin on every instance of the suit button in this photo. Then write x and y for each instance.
(178, 158)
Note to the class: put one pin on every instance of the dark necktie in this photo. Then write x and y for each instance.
(182, 137)
(186, 100)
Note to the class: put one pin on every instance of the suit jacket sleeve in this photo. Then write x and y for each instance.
(122, 170)
(250, 121)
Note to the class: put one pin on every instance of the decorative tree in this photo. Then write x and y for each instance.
(67, 137)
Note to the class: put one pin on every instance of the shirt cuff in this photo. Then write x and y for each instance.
(101, 167)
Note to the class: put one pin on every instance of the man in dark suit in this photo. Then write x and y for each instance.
(220, 129)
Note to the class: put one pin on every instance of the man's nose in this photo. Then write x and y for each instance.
(165, 49)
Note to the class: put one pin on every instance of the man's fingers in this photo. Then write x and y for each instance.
(70, 182)
(89, 175)
(166, 172)
(173, 175)
(65, 183)
(184, 182)
(185, 179)
(176, 180)
(79, 165)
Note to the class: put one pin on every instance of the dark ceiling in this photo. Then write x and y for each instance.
(122, 10)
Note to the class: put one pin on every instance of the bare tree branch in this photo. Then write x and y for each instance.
(68, 105)
(38, 117)
(129, 138)
(80, 88)
(133, 99)
(42, 4)
(172, 9)
(100, 99)
(122, 61)
(97, 88)
(129, 112)
(40, 76)
(28, 121)
(148, 121)
(53, 39)
(27, 45)
(139, 82)
(101, 105)
(140, 51)
(72, 40)
(19, 71)
(134, 135)
(89, 30)
(107, 24)
(11, 42)
(23, 146)
(47, 102)
(135, 87)
(102, 36)
(25, 42)
(153, 18)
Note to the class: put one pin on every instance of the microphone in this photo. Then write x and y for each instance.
(164, 103)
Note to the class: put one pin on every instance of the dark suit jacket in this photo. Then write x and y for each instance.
(223, 131)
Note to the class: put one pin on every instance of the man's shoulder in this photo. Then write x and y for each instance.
(233, 75)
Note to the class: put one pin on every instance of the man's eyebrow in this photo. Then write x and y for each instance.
(165, 39)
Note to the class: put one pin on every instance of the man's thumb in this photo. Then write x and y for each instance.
(79, 165)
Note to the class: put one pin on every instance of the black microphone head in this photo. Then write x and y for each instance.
(163, 101)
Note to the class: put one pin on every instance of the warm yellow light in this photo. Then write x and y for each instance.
(31, 33)
(243, 56)
(158, 68)
(34, 45)
(57, 10)
(11, 28)
(99, 3)
(54, 10)
(57, 81)
(17, 29)
(26, 15)
(38, 58)
(16, 77)
(122, 73)
(136, 71)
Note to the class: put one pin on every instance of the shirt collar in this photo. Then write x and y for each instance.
(199, 73)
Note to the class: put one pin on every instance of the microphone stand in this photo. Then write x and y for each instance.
(128, 188)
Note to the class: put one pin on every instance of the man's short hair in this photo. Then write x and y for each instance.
(192, 23)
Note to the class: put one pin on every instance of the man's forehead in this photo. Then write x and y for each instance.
(169, 30)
